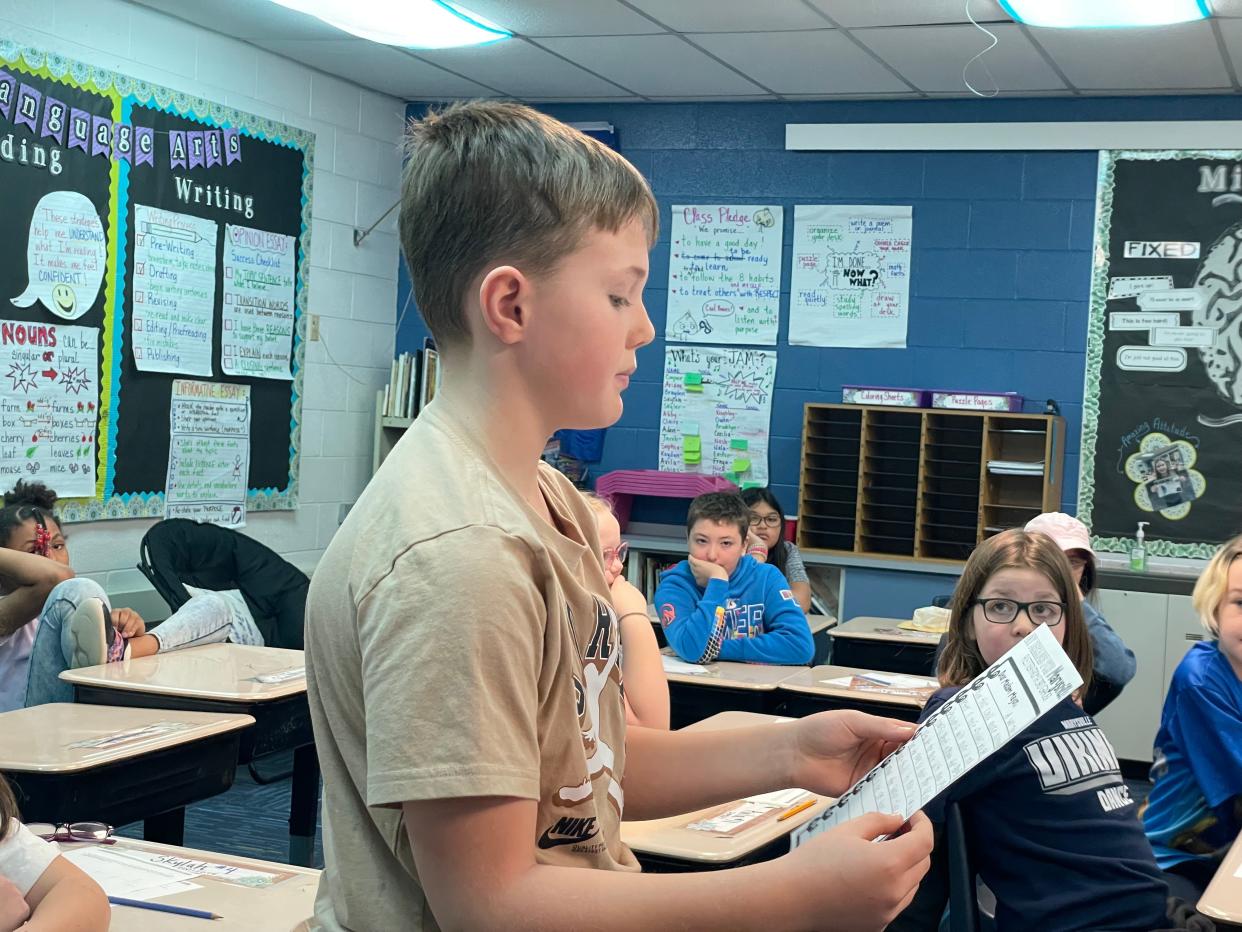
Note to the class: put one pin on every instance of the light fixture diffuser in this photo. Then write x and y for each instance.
(415, 24)
(1096, 14)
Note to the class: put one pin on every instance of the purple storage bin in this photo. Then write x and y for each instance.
(975, 401)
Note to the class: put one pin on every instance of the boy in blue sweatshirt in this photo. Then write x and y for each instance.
(722, 604)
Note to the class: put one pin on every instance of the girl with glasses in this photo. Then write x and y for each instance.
(39, 888)
(646, 688)
(1050, 825)
(767, 527)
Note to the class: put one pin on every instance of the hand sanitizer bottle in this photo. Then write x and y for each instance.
(1138, 553)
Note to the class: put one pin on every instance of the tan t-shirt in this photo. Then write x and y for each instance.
(459, 645)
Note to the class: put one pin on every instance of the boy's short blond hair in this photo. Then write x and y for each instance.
(599, 503)
(1213, 582)
(498, 182)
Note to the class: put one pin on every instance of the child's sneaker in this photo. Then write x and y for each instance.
(89, 638)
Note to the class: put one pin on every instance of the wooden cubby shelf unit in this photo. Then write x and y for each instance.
(915, 483)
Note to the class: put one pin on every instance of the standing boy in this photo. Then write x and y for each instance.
(722, 604)
(462, 657)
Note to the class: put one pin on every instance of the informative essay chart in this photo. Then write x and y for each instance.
(151, 236)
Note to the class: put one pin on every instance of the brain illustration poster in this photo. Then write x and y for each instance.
(1162, 413)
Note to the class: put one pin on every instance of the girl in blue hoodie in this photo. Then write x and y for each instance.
(722, 604)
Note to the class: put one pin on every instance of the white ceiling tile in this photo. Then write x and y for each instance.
(731, 15)
(823, 61)
(518, 68)
(931, 57)
(247, 19)
(1182, 56)
(850, 13)
(1226, 8)
(377, 66)
(1231, 32)
(653, 65)
(562, 17)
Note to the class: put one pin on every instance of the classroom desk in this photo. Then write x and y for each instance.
(807, 692)
(666, 845)
(1222, 900)
(878, 644)
(222, 678)
(727, 686)
(821, 626)
(279, 907)
(57, 776)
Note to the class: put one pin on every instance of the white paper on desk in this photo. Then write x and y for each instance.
(241, 876)
(673, 665)
(780, 797)
(897, 680)
(122, 875)
(294, 673)
(976, 721)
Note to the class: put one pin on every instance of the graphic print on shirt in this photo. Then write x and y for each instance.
(601, 664)
(1077, 760)
(743, 621)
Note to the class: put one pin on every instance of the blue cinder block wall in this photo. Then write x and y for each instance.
(1001, 256)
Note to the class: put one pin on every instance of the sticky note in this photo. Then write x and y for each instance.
(739, 443)
(695, 387)
(741, 465)
(692, 459)
(752, 485)
(694, 378)
(732, 477)
(690, 427)
(691, 444)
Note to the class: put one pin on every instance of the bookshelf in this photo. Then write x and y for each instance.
(388, 431)
(920, 483)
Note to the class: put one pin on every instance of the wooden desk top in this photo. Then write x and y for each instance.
(280, 907)
(820, 623)
(813, 682)
(63, 737)
(225, 672)
(1223, 898)
(883, 629)
(757, 677)
(670, 837)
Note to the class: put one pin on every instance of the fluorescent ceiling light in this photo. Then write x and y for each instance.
(416, 24)
(1097, 13)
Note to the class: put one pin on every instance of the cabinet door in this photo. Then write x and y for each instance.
(1184, 632)
(1140, 618)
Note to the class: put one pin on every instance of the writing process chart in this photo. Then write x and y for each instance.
(1162, 411)
(209, 452)
(173, 232)
(850, 282)
(716, 411)
(724, 280)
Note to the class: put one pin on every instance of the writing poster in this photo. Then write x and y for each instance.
(1162, 411)
(259, 274)
(850, 282)
(716, 411)
(724, 280)
(174, 291)
(49, 405)
(209, 452)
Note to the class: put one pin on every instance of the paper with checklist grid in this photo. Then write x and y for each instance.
(975, 722)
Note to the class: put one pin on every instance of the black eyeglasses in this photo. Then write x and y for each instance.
(771, 520)
(99, 833)
(1004, 611)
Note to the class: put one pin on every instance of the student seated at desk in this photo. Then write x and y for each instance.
(722, 604)
(767, 527)
(74, 624)
(38, 888)
(1194, 811)
(1050, 826)
(646, 688)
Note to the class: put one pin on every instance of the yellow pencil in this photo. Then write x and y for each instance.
(790, 813)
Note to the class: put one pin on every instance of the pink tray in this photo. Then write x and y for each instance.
(621, 485)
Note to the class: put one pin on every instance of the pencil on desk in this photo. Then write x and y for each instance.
(163, 908)
(790, 813)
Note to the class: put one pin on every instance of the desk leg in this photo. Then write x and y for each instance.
(167, 828)
(303, 806)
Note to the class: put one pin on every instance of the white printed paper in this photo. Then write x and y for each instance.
(209, 452)
(65, 255)
(142, 733)
(725, 395)
(850, 282)
(174, 291)
(193, 867)
(975, 722)
(257, 321)
(122, 874)
(673, 665)
(49, 405)
(724, 276)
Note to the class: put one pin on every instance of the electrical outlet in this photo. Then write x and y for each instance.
(312, 329)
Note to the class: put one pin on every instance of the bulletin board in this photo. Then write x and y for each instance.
(150, 237)
(1162, 411)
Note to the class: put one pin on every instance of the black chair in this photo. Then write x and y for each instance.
(176, 552)
(965, 914)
